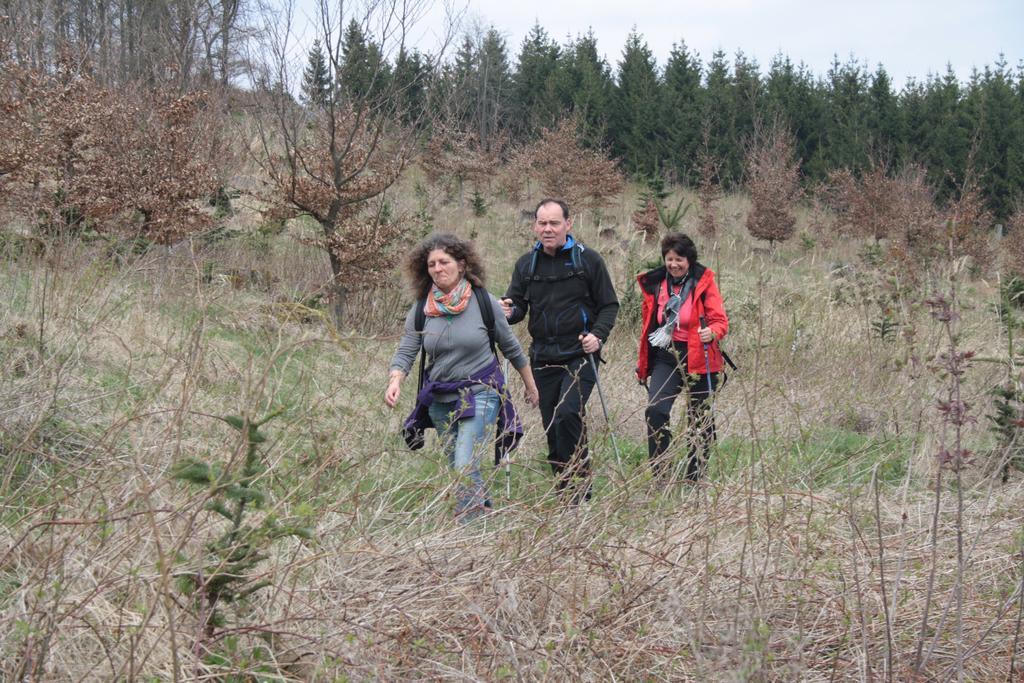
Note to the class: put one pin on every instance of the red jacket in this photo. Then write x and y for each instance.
(706, 301)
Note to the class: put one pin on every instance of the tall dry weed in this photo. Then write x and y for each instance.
(805, 554)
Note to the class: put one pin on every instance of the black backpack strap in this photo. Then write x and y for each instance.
(487, 313)
(725, 356)
(530, 273)
(421, 320)
(575, 256)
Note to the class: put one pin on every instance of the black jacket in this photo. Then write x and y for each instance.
(563, 300)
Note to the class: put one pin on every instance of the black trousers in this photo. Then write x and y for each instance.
(564, 390)
(668, 378)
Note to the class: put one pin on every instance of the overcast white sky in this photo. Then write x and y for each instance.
(910, 38)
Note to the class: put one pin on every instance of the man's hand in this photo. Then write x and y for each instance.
(591, 344)
(506, 307)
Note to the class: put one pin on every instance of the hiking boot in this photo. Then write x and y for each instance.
(581, 493)
(471, 514)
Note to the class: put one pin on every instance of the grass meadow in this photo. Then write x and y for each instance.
(827, 542)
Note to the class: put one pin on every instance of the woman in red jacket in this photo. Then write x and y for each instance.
(682, 316)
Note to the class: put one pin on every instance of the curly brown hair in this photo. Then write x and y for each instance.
(456, 247)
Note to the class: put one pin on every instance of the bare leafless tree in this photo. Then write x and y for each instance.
(331, 159)
(164, 43)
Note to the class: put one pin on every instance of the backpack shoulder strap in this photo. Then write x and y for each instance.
(421, 320)
(576, 256)
(487, 313)
(421, 316)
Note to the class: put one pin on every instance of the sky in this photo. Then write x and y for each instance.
(909, 38)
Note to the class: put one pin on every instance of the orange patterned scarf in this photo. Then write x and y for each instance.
(452, 303)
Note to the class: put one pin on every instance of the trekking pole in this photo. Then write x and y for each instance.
(707, 362)
(506, 457)
(600, 395)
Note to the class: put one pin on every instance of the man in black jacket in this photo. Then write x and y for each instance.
(569, 296)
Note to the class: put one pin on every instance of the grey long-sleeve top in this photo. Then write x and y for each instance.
(457, 346)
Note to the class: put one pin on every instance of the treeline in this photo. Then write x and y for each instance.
(660, 119)
(657, 119)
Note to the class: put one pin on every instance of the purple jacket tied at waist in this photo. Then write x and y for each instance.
(509, 428)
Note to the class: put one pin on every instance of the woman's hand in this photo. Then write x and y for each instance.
(706, 335)
(394, 389)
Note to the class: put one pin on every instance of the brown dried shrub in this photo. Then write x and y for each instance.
(117, 161)
(773, 184)
(928, 234)
(867, 207)
(452, 159)
(329, 165)
(646, 221)
(562, 167)
(708, 194)
(968, 222)
(1013, 244)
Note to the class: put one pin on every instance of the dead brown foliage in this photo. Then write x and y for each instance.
(708, 194)
(1013, 244)
(646, 221)
(773, 183)
(871, 206)
(117, 161)
(927, 233)
(453, 159)
(329, 164)
(562, 167)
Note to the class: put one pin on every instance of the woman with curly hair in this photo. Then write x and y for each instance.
(463, 385)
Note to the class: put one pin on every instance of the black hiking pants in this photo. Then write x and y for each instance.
(564, 390)
(667, 381)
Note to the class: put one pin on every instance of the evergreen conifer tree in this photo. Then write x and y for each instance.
(538, 59)
(411, 79)
(845, 136)
(316, 79)
(591, 88)
(945, 142)
(635, 123)
(363, 73)
(791, 96)
(884, 124)
(494, 86)
(747, 94)
(999, 121)
(681, 106)
(719, 120)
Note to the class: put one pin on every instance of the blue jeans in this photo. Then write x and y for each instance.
(463, 441)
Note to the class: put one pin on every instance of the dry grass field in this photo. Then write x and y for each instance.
(824, 534)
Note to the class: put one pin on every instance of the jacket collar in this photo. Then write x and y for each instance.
(652, 278)
(569, 242)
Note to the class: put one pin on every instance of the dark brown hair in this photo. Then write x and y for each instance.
(456, 247)
(681, 244)
(562, 205)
